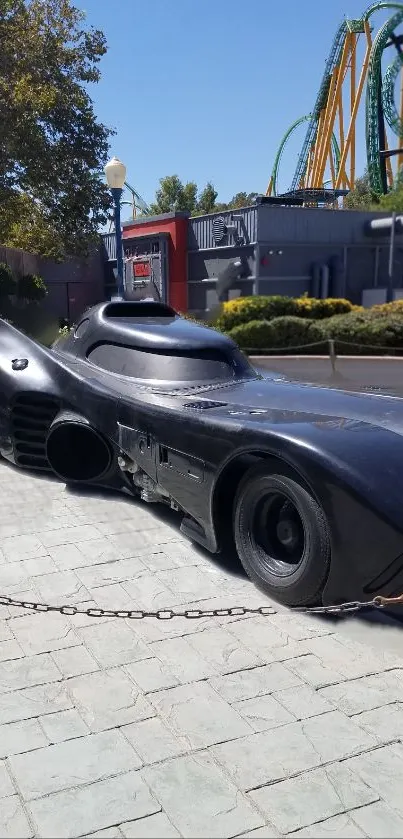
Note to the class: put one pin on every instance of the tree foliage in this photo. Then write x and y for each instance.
(173, 195)
(363, 198)
(52, 145)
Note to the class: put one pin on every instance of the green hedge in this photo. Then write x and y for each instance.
(283, 332)
(364, 329)
(245, 309)
(354, 334)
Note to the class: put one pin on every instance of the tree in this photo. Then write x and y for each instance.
(52, 146)
(361, 197)
(241, 199)
(174, 196)
(207, 200)
(392, 202)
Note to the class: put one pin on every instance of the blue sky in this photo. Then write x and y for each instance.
(206, 88)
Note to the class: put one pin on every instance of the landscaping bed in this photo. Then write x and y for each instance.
(304, 325)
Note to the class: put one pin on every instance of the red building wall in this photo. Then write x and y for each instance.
(176, 226)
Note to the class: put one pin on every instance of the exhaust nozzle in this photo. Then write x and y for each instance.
(76, 452)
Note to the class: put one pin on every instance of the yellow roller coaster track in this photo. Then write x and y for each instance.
(353, 72)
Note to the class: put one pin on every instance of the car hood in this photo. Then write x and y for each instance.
(281, 400)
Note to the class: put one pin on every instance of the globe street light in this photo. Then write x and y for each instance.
(115, 172)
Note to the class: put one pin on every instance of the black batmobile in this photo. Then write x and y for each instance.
(304, 483)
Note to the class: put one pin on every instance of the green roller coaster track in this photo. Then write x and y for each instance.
(378, 89)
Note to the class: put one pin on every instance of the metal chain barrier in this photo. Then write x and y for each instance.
(193, 614)
(330, 343)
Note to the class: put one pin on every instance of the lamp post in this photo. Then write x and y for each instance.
(115, 172)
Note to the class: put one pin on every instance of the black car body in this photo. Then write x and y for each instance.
(304, 482)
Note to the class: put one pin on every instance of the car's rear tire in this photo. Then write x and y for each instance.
(281, 536)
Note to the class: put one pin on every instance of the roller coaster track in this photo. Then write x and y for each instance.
(328, 146)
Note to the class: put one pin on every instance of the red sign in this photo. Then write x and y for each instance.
(141, 269)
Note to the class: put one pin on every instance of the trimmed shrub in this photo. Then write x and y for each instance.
(311, 307)
(8, 283)
(360, 331)
(245, 309)
(283, 332)
(382, 309)
(31, 287)
(258, 308)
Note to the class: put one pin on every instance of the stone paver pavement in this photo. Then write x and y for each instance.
(254, 727)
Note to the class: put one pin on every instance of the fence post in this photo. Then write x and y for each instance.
(332, 354)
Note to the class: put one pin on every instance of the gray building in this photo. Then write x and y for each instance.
(290, 251)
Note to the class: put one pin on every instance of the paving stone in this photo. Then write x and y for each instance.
(312, 797)
(13, 821)
(386, 723)
(266, 832)
(153, 740)
(152, 827)
(301, 628)
(39, 565)
(81, 761)
(196, 713)
(258, 681)
(106, 573)
(64, 535)
(382, 770)
(102, 550)
(153, 630)
(148, 592)
(113, 596)
(303, 703)
(74, 661)
(151, 675)
(67, 557)
(27, 672)
(365, 694)
(225, 653)
(108, 698)
(378, 821)
(75, 812)
(13, 578)
(314, 672)
(338, 827)
(5, 631)
(10, 650)
(64, 725)
(114, 643)
(108, 833)
(182, 659)
(134, 544)
(273, 755)
(6, 784)
(335, 736)
(260, 636)
(199, 799)
(16, 548)
(263, 712)
(187, 580)
(39, 634)
(24, 736)
(351, 661)
(61, 587)
(33, 702)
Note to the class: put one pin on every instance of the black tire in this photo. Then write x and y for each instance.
(281, 536)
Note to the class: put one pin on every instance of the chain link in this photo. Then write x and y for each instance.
(193, 614)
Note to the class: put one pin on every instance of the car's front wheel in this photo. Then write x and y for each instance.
(282, 536)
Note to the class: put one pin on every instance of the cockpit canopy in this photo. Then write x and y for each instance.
(150, 342)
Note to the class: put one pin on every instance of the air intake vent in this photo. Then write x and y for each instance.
(204, 405)
(31, 417)
(219, 229)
